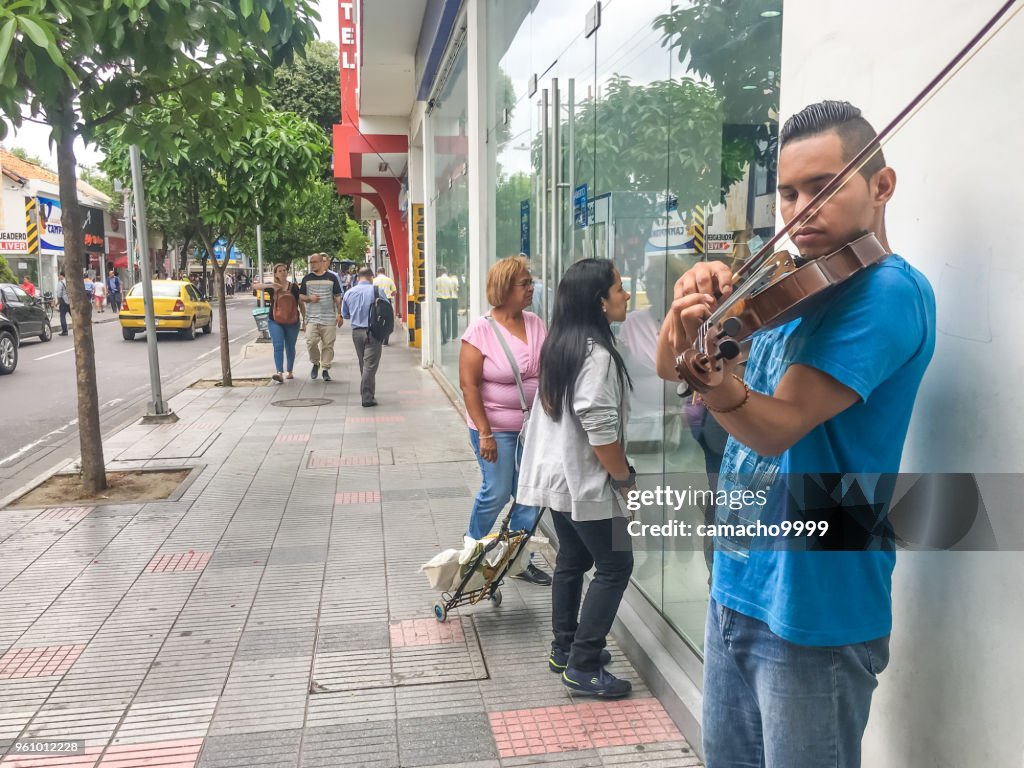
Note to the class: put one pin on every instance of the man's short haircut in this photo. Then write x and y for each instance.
(846, 120)
(381, 271)
(365, 272)
(501, 278)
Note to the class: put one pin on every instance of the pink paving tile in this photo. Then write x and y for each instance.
(321, 462)
(375, 419)
(182, 753)
(39, 661)
(425, 632)
(358, 497)
(64, 513)
(298, 438)
(84, 759)
(589, 725)
(178, 562)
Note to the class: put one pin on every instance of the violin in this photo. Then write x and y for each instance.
(782, 288)
(774, 287)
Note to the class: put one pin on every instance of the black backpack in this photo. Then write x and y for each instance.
(382, 317)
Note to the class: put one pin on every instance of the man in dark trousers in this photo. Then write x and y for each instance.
(63, 303)
(356, 307)
(114, 291)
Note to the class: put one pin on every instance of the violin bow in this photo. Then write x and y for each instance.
(836, 183)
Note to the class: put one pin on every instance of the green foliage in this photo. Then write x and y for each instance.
(355, 243)
(632, 129)
(213, 191)
(738, 49)
(314, 220)
(98, 179)
(511, 191)
(310, 86)
(6, 273)
(118, 54)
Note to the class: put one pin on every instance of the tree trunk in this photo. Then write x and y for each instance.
(90, 437)
(222, 324)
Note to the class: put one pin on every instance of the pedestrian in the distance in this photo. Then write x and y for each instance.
(494, 399)
(321, 295)
(27, 286)
(114, 291)
(387, 287)
(356, 307)
(282, 296)
(63, 303)
(575, 464)
(99, 294)
(447, 289)
(89, 288)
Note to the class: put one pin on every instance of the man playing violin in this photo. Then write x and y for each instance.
(795, 639)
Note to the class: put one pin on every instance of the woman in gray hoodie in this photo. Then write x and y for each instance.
(575, 464)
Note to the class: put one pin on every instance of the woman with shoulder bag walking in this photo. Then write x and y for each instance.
(283, 298)
(576, 465)
(498, 367)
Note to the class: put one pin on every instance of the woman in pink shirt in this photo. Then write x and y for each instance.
(493, 407)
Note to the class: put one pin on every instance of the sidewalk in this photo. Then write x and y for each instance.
(274, 615)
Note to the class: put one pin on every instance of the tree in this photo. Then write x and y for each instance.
(355, 244)
(737, 46)
(6, 273)
(96, 178)
(314, 220)
(310, 86)
(79, 65)
(225, 191)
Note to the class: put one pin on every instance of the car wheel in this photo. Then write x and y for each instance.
(47, 333)
(8, 353)
(190, 332)
(208, 328)
(128, 334)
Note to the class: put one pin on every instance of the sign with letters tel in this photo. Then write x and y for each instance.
(579, 206)
(524, 227)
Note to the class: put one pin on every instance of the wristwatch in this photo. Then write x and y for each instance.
(629, 482)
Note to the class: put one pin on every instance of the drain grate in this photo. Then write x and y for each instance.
(302, 402)
(456, 658)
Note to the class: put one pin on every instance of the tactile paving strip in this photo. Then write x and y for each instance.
(590, 725)
(65, 513)
(359, 497)
(178, 562)
(39, 661)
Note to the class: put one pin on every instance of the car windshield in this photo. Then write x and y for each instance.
(160, 290)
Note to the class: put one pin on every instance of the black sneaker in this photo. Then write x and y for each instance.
(559, 659)
(315, 371)
(370, 404)
(600, 683)
(534, 575)
(326, 375)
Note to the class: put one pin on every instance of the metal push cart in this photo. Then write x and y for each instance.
(515, 541)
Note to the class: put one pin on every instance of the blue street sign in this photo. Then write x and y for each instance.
(579, 206)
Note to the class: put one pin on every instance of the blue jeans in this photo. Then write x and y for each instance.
(284, 337)
(769, 703)
(499, 485)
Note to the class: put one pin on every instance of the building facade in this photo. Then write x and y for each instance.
(644, 131)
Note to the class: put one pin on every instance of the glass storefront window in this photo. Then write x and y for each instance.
(450, 193)
(650, 143)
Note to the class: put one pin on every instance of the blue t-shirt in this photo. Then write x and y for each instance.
(875, 334)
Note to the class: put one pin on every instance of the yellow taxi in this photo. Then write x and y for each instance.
(177, 305)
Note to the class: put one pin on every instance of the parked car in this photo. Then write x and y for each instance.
(8, 346)
(28, 313)
(177, 305)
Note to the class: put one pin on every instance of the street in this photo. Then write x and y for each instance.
(40, 408)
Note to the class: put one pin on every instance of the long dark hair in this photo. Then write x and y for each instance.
(577, 322)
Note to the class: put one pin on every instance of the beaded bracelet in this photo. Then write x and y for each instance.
(486, 437)
(746, 396)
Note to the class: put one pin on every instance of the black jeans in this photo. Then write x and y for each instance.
(449, 319)
(581, 545)
(64, 309)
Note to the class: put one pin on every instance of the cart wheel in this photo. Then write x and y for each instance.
(440, 612)
(496, 597)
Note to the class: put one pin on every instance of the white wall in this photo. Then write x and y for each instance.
(952, 695)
